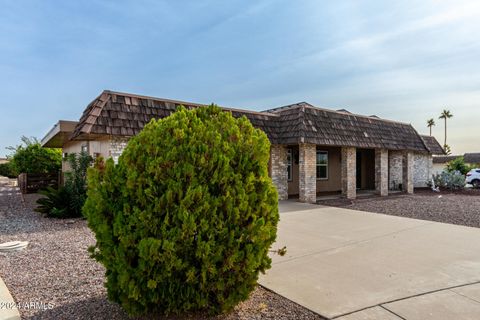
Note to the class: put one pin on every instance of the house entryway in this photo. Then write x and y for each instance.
(365, 169)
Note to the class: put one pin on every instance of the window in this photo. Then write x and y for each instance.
(84, 148)
(289, 164)
(322, 165)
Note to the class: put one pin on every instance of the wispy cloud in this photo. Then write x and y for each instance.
(404, 60)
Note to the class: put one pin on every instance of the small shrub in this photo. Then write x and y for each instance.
(31, 157)
(458, 164)
(449, 180)
(185, 221)
(6, 170)
(75, 181)
(67, 201)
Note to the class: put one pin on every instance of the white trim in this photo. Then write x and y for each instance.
(321, 165)
(290, 164)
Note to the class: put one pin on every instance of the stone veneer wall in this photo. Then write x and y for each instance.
(307, 173)
(117, 145)
(381, 171)
(422, 169)
(278, 170)
(395, 169)
(349, 172)
(407, 171)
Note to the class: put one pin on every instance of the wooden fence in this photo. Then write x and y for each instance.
(32, 182)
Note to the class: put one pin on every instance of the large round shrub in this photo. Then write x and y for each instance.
(185, 221)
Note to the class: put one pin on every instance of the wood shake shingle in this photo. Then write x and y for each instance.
(122, 114)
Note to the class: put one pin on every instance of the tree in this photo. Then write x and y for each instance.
(185, 220)
(458, 164)
(430, 124)
(31, 157)
(446, 114)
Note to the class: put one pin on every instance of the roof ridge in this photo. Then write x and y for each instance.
(422, 139)
(309, 105)
(101, 106)
(195, 104)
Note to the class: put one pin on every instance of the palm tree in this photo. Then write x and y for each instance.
(445, 115)
(430, 124)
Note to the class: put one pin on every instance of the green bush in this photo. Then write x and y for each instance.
(76, 181)
(458, 164)
(67, 201)
(6, 170)
(185, 221)
(31, 157)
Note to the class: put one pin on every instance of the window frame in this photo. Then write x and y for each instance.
(289, 164)
(326, 165)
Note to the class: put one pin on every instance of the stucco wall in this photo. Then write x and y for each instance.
(105, 147)
(333, 183)
(72, 147)
(438, 168)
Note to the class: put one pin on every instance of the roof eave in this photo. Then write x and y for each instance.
(59, 134)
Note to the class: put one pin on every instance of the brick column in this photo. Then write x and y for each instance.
(278, 170)
(381, 171)
(308, 172)
(407, 171)
(349, 172)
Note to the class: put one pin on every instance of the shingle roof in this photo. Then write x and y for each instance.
(472, 157)
(114, 113)
(123, 114)
(444, 159)
(306, 123)
(432, 145)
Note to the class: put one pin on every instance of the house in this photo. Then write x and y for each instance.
(3, 160)
(440, 162)
(314, 150)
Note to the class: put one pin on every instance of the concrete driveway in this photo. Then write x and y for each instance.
(346, 264)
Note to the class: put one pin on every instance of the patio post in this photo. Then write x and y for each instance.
(381, 172)
(349, 172)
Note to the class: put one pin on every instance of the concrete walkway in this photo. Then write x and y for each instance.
(348, 265)
(8, 309)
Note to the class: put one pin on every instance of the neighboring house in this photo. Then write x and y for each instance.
(440, 162)
(313, 150)
(3, 160)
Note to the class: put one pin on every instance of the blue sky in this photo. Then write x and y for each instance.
(401, 60)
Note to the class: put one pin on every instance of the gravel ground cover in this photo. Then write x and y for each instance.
(461, 207)
(56, 271)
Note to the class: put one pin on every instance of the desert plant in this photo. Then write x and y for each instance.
(185, 221)
(454, 180)
(67, 201)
